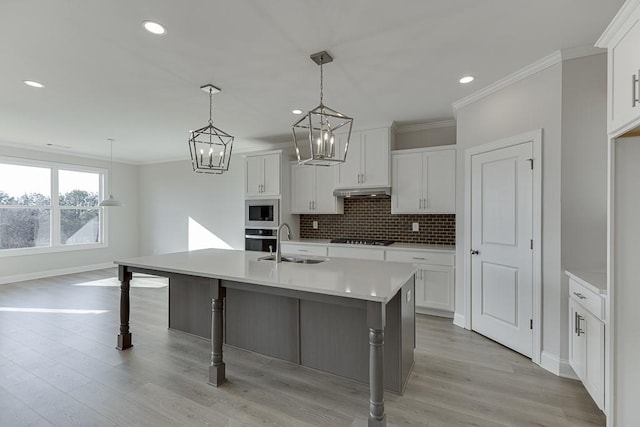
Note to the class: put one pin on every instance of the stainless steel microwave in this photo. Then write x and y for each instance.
(262, 213)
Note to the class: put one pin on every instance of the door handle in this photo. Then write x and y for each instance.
(474, 252)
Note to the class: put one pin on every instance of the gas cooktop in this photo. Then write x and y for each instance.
(372, 242)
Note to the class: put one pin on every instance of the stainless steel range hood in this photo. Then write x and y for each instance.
(363, 192)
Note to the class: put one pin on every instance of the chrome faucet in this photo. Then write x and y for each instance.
(278, 248)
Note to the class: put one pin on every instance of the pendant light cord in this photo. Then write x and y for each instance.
(110, 165)
(321, 78)
(210, 105)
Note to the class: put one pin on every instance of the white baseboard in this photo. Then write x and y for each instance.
(555, 365)
(458, 320)
(56, 272)
(434, 312)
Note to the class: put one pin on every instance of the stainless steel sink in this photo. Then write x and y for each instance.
(293, 259)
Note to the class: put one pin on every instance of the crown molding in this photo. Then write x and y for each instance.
(63, 152)
(581, 52)
(536, 67)
(417, 127)
(618, 22)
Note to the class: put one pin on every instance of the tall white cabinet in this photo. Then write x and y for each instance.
(262, 175)
(423, 181)
(622, 375)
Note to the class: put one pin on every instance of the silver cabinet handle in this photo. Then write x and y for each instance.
(419, 203)
(313, 205)
(309, 204)
(579, 295)
(575, 322)
(426, 203)
(474, 252)
(303, 250)
(579, 330)
(634, 90)
(420, 258)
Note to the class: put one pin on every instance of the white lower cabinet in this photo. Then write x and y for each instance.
(586, 341)
(303, 249)
(434, 279)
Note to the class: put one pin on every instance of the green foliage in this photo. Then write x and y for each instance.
(29, 227)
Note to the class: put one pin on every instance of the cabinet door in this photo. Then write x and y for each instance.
(406, 194)
(577, 342)
(271, 174)
(325, 182)
(254, 172)
(439, 181)
(349, 171)
(302, 188)
(593, 378)
(436, 287)
(375, 157)
(624, 56)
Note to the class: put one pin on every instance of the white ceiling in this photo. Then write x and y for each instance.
(106, 77)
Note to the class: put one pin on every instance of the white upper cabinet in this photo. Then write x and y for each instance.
(622, 39)
(367, 163)
(423, 181)
(312, 190)
(262, 175)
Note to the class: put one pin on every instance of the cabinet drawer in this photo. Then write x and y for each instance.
(361, 253)
(291, 248)
(588, 299)
(421, 257)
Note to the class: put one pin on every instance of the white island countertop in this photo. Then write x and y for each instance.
(367, 280)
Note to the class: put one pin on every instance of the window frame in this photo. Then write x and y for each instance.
(55, 245)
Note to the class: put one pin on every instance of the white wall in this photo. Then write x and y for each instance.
(532, 103)
(172, 197)
(584, 171)
(425, 138)
(123, 231)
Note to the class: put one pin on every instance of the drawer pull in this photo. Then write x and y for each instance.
(579, 295)
(420, 258)
(303, 250)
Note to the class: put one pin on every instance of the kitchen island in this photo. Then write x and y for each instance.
(353, 318)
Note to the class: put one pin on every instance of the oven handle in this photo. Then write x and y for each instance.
(251, 236)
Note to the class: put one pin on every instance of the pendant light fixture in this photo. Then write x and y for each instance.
(210, 147)
(322, 135)
(110, 201)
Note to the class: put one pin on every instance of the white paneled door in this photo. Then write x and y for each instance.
(501, 245)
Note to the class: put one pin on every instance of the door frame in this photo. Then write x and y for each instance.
(535, 137)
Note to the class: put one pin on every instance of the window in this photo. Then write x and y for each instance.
(49, 207)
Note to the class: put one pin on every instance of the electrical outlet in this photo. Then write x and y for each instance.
(415, 226)
(315, 225)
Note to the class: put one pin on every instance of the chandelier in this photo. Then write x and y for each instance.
(210, 147)
(322, 136)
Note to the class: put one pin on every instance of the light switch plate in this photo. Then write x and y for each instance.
(315, 225)
(416, 226)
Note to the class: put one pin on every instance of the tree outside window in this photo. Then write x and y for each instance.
(30, 217)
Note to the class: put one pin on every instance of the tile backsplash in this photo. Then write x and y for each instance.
(370, 218)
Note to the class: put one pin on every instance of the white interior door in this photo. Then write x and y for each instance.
(501, 244)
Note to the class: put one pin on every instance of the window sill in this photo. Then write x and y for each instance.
(50, 249)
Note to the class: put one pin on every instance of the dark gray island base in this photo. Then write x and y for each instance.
(367, 341)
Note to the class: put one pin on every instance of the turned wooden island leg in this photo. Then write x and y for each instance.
(376, 322)
(124, 338)
(216, 367)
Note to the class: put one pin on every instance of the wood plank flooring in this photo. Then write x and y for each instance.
(61, 368)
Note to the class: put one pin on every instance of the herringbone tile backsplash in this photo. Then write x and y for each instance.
(370, 218)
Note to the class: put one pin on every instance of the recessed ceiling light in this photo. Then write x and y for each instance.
(154, 27)
(297, 111)
(33, 83)
(466, 79)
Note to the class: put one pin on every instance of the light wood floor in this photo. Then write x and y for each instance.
(61, 368)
